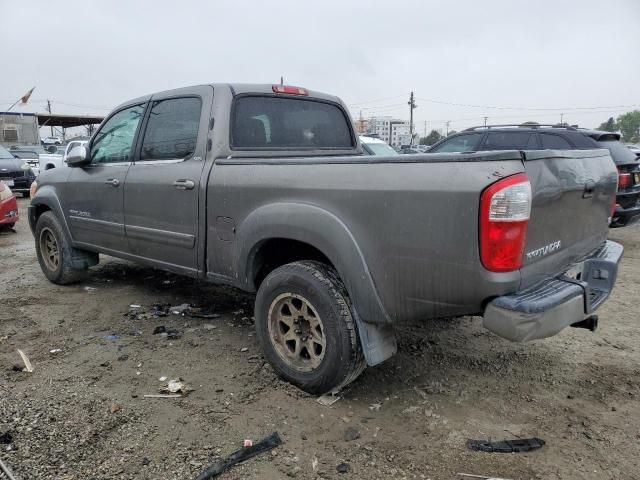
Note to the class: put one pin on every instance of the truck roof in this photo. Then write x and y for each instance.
(236, 89)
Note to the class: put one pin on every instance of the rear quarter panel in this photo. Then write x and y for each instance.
(414, 221)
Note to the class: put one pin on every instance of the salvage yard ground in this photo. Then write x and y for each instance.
(82, 413)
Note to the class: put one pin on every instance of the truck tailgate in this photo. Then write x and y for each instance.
(573, 196)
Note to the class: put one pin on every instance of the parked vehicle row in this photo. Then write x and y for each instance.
(276, 196)
(539, 137)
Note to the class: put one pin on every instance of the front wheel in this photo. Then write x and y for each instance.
(305, 327)
(59, 261)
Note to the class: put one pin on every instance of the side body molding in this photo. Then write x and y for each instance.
(320, 229)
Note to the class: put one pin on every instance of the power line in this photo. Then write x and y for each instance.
(377, 100)
(524, 108)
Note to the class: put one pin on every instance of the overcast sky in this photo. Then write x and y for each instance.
(86, 56)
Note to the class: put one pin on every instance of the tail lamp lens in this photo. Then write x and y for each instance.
(624, 180)
(505, 207)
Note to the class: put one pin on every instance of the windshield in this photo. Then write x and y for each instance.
(620, 153)
(379, 149)
(4, 153)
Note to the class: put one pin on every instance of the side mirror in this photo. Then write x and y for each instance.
(26, 167)
(78, 157)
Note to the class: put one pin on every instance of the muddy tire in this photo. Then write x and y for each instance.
(59, 261)
(305, 327)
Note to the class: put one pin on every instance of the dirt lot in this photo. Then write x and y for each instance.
(450, 381)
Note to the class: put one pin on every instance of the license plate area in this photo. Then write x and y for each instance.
(575, 272)
(8, 182)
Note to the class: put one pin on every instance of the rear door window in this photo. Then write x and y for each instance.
(580, 140)
(554, 142)
(265, 123)
(466, 142)
(508, 141)
(172, 129)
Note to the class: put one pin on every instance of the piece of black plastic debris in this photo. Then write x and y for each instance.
(173, 334)
(343, 468)
(159, 329)
(5, 435)
(245, 453)
(506, 446)
(160, 310)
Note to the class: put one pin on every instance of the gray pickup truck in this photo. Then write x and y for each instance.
(266, 188)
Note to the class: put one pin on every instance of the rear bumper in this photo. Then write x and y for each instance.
(627, 210)
(623, 217)
(550, 306)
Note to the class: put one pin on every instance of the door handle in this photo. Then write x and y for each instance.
(184, 184)
(114, 182)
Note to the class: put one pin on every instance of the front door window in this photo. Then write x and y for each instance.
(114, 141)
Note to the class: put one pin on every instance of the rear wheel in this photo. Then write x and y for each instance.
(59, 261)
(305, 327)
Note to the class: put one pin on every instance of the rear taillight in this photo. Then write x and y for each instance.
(5, 192)
(505, 207)
(624, 180)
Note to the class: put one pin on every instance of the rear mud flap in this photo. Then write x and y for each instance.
(378, 341)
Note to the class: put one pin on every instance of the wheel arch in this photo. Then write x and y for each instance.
(46, 200)
(314, 230)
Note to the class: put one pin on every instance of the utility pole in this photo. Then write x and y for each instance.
(425, 128)
(561, 117)
(49, 110)
(412, 106)
(485, 121)
(448, 122)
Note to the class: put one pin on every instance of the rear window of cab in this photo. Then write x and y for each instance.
(280, 123)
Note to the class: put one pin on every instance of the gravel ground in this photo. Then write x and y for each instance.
(82, 412)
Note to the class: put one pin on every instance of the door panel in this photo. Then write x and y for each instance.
(163, 184)
(94, 195)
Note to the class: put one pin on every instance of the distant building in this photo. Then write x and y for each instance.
(393, 131)
(19, 129)
(362, 126)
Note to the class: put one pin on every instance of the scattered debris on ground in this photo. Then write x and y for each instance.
(506, 446)
(27, 364)
(242, 455)
(451, 380)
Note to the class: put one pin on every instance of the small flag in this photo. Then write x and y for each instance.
(25, 98)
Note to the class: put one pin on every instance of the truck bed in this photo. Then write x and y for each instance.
(414, 219)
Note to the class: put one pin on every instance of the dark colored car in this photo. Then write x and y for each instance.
(12, 173)
(30, 156)
(627, 209)
(554, 137)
